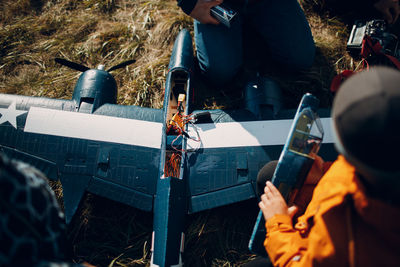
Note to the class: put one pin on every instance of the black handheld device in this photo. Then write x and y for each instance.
(294, 163)
(223, 14)
(378, 30)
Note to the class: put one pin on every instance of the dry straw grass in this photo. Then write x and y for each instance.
(92, 32)
(89, 32)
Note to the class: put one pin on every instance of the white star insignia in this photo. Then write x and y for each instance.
(10, 114)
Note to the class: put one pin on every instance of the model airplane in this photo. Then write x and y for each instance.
(172, 161)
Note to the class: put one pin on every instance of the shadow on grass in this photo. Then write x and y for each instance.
(108, 233)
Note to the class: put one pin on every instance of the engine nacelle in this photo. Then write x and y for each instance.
(94, 88)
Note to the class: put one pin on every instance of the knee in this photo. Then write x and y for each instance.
(305, 58)
(300, 58)
(219, 71)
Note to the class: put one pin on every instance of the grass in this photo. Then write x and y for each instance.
(90, 32)
(112, 234)
(93, 32)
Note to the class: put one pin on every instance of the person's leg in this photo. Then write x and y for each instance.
(219, 50)
(286, 32)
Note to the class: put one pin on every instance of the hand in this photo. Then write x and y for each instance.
(201, 11)
(389, 8)
(272, 203)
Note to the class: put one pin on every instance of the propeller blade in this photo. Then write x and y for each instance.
(121, 65)
(71, 64)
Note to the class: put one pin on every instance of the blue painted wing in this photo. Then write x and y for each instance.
(113, 152)
(223, 168)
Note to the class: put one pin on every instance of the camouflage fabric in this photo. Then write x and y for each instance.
(32, 228)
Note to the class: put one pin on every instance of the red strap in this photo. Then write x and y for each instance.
(338, 79)
(368, 48)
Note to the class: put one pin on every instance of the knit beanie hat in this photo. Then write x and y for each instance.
(366, 121)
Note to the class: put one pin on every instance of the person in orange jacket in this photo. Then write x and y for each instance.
(353, 216)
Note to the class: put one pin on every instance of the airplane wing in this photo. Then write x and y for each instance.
(112, 152)
(223, 168)
(126, 153)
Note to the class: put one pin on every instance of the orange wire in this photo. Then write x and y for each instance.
(172, 165)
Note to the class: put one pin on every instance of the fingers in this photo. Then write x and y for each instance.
(271, 194)
(210, 4)
(272, 204)
(265, 199)
(396, 12)
(271, 190)
(292, 211)
(264, 203)
(389, 8)
(261, 205)
(387, 15)
(266, 189)
(214, 3)
(201, 11)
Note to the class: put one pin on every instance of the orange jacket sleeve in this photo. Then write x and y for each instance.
(285, 244)
(310, 242)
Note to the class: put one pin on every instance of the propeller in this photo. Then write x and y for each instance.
(71, 64)
(121, 65)
(83, 68)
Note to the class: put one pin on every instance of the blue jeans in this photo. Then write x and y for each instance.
(284, 30)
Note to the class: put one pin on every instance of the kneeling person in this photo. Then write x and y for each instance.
(355, 208)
